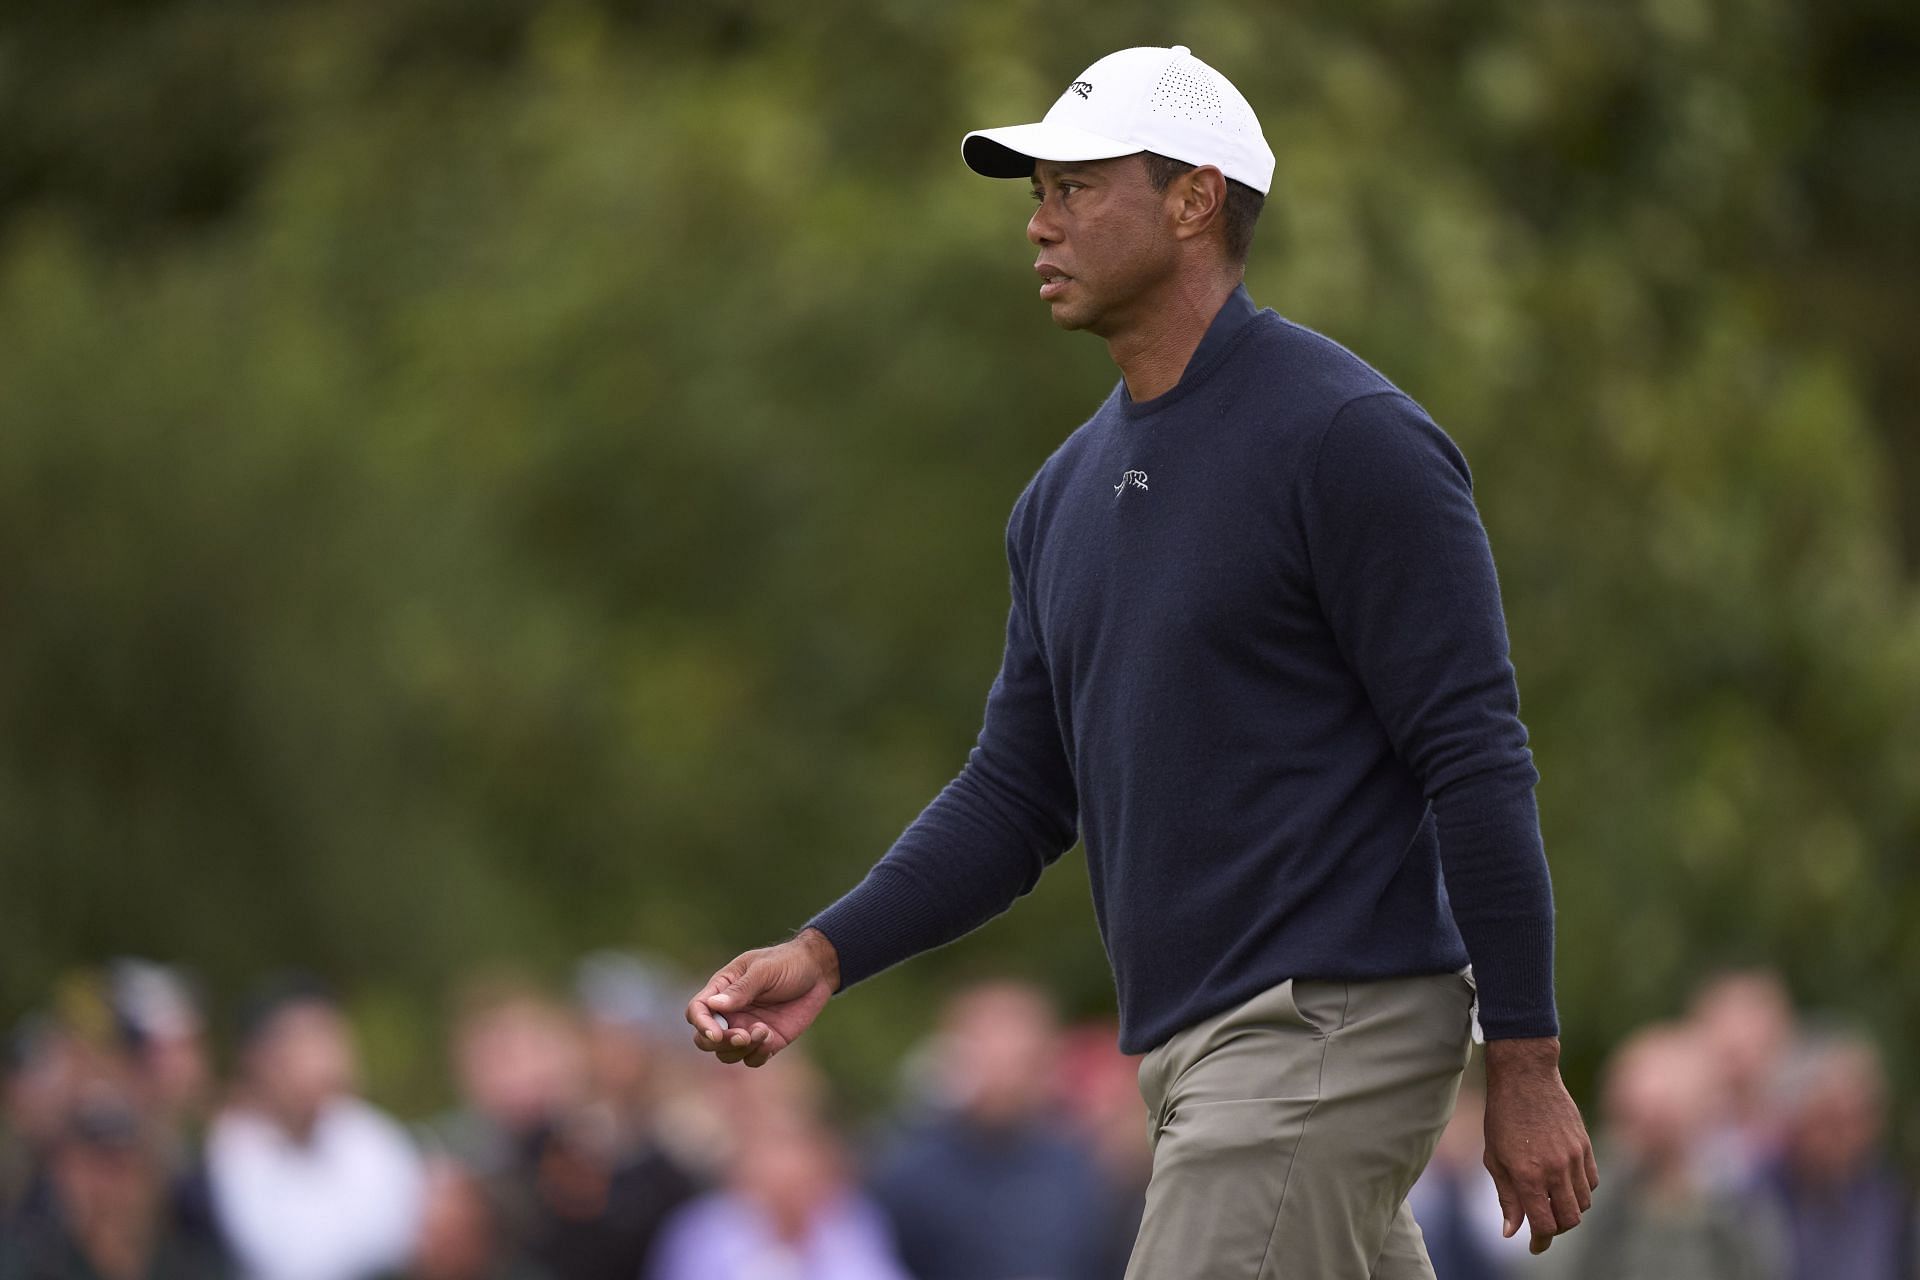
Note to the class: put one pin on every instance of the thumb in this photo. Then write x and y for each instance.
(740, 991)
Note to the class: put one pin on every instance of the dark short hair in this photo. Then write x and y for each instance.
(274, 995)
(1242, 208)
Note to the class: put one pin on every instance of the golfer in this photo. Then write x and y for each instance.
(1256, 661)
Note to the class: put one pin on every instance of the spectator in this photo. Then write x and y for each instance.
(789, 1210)
(517, 1061)
(632, 1014)
(44, 1062)
(162, 1032)
(160, 1025)
(604, 1184)
(309, 1182)
(993, 1186)
(1456, 1204)
(1657, 1216)
(1745, 1022)
(1847, 1216)
(108, 1214)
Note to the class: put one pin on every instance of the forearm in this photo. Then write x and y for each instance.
(1502, 899)
(964, 860)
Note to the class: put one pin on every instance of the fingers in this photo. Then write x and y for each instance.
(1567, 1204)
(1578, 1194)
(706, 1032)
(1573, 1191)
(1593, 1174)
(735, 1043)
(751, 1047)
(1549, 1205)
(709, 1033)
(1510, 1214)
(1539, 1209)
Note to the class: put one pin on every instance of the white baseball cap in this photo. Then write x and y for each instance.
(1148, 99)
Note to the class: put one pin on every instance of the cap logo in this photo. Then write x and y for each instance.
(1082, 88)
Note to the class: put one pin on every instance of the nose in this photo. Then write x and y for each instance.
(1040, 227)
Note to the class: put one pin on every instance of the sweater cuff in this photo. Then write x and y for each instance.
(878, 923)
(1514, 983)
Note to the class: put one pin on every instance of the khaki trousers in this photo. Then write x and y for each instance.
(1287, 1131)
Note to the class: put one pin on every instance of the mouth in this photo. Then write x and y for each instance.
(1052, 285)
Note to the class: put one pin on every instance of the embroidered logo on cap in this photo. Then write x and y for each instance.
(1082, 88)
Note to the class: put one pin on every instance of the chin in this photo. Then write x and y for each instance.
(1070, 318)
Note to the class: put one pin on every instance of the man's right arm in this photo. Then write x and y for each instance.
(980, 844)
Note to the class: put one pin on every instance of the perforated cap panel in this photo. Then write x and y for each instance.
(1184, 94)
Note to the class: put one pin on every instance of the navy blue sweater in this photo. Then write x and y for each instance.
(1256, 659)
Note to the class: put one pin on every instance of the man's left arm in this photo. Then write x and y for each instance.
(1403, 570)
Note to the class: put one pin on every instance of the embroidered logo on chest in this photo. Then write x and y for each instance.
(1136, 479)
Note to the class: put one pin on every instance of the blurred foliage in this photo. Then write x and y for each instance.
(485, 480)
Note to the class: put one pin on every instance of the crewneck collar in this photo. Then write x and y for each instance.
(1227, 324)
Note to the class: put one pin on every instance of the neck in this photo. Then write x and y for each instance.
(1153, 350)
(297, 1124)
(118, 1249)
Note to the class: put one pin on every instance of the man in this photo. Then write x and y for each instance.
(1256, 657)
(994, 1150)
(606, 1184)
(1846, 1212)
(163, 1035)
(108, 1216)
(787, 1207)
(309, 1181)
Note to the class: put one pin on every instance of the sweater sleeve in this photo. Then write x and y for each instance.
(1405, 577)
(984, 840)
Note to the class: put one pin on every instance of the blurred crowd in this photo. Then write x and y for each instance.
(590, 1142)
(1739, 1142)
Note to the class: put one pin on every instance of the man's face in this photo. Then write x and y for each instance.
(302, 1061)
(1001, 1043)
(1105, 237)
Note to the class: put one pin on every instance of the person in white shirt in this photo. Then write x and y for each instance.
(309, 1181)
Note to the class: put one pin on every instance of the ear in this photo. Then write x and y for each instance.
(1196, 199)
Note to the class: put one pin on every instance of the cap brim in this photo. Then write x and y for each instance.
(1010, 152)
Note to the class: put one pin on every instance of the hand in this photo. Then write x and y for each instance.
(1537, 1147)
(768, 998)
